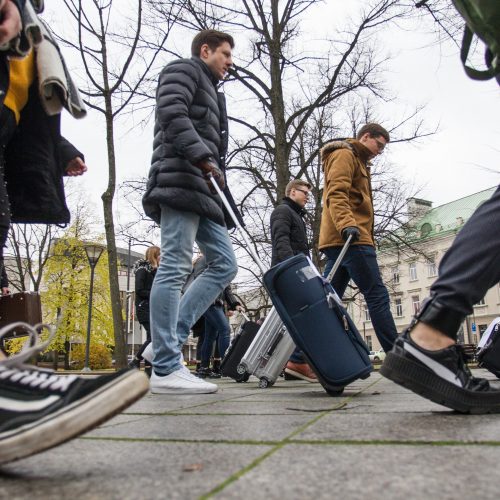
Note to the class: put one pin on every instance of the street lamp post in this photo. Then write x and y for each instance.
(93, 253)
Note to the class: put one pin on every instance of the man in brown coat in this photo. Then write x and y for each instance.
(348, 211)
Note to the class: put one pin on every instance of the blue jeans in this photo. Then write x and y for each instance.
(173, 316)
(360, 265)
(216, 328)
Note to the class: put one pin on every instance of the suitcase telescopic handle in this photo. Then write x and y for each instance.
(331, 274)
(244, 315)
(243, 233)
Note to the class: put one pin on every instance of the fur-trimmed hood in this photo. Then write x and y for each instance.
(361, 151)
(143, 264)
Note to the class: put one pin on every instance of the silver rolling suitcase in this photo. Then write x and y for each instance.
(271, 348)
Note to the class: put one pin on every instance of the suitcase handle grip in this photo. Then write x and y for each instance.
(243, 233)
(244, 315)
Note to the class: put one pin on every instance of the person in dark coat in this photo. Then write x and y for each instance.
(145, 272)
(189, 146)
(289, 238)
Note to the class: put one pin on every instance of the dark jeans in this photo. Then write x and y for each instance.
(360, 265)
(216, 327)
(147, 327)
(471, 265)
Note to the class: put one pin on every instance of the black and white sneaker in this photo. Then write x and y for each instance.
(40, 409)
(441, 376)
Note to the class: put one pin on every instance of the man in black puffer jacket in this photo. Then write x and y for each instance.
(289, 238)
(190, 143)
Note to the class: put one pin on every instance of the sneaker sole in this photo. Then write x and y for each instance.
(426, 383)
(183, 391)
(299, 376)
(76, 419)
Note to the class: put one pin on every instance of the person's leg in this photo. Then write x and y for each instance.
(223, 330)
(178, 231)
(425, 358)
(468, 269)
(341, 278)
(361, 263)
(211, 326)
(216, 246)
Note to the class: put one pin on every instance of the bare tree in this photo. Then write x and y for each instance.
(116, 67)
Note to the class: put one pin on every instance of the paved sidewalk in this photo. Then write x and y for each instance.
(289, 442)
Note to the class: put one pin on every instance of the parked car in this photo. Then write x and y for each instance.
(377, 355)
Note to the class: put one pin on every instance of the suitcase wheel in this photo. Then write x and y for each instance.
(335, 391)
(243, 378)
(241, 369)
(264, 383)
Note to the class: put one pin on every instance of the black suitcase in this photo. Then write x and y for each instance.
(239, 345)
(488, 349)
(318, 323)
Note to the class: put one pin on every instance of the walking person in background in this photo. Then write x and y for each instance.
(217, 330)
(289, 238)
(145, 272)
(348, 211)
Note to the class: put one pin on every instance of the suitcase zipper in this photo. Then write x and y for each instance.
(346, 324)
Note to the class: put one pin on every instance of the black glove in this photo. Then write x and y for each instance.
(351, 231)
(207, 166)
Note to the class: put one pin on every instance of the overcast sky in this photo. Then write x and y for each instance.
(460, 159)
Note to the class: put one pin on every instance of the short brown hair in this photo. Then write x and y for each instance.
(294, 184)
(375, 130)
(212, 38)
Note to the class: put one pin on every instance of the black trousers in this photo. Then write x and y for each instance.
(471, 266)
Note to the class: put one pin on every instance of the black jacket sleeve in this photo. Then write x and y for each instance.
(281, 223)
(142, 290)
(67, 152)
(4, 280)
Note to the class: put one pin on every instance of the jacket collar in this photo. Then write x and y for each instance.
(295, 206)
(206, 70)
(361, 151)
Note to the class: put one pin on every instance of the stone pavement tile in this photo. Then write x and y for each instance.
(371, 472)
(438, 426)
(203, 427)
(108, 470)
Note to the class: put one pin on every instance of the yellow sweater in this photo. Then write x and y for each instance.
(21, 76)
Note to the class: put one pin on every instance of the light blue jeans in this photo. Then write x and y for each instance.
(173, 316)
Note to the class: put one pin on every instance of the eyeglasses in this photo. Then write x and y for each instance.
(381, 145)
(306, 193)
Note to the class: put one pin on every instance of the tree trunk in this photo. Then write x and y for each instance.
(107, 202)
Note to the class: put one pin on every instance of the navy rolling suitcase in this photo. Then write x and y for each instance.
(318, 323)
(488, 349)
(239, 345)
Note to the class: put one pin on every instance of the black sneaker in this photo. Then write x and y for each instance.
(40, 409)
(441, 376)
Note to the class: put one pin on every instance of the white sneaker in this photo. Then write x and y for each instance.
(180, 382)
(148, 353)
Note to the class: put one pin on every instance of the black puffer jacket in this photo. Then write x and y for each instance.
(144, 277)
(191, 125)
(288, 231)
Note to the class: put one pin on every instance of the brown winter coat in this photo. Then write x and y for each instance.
(347, 194)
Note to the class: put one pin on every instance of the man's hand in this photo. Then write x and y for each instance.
(240, 309)
(351, 231)
(5, 291)
(75, 167)
(209, 167)
(10, 21)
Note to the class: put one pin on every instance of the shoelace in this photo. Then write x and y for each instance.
(32, 346)
(40, 379)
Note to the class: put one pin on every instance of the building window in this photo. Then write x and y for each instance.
(395, 274)
(398, 306)
(415, 301)
(366, 312)
(413, 271)
(431, 268)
